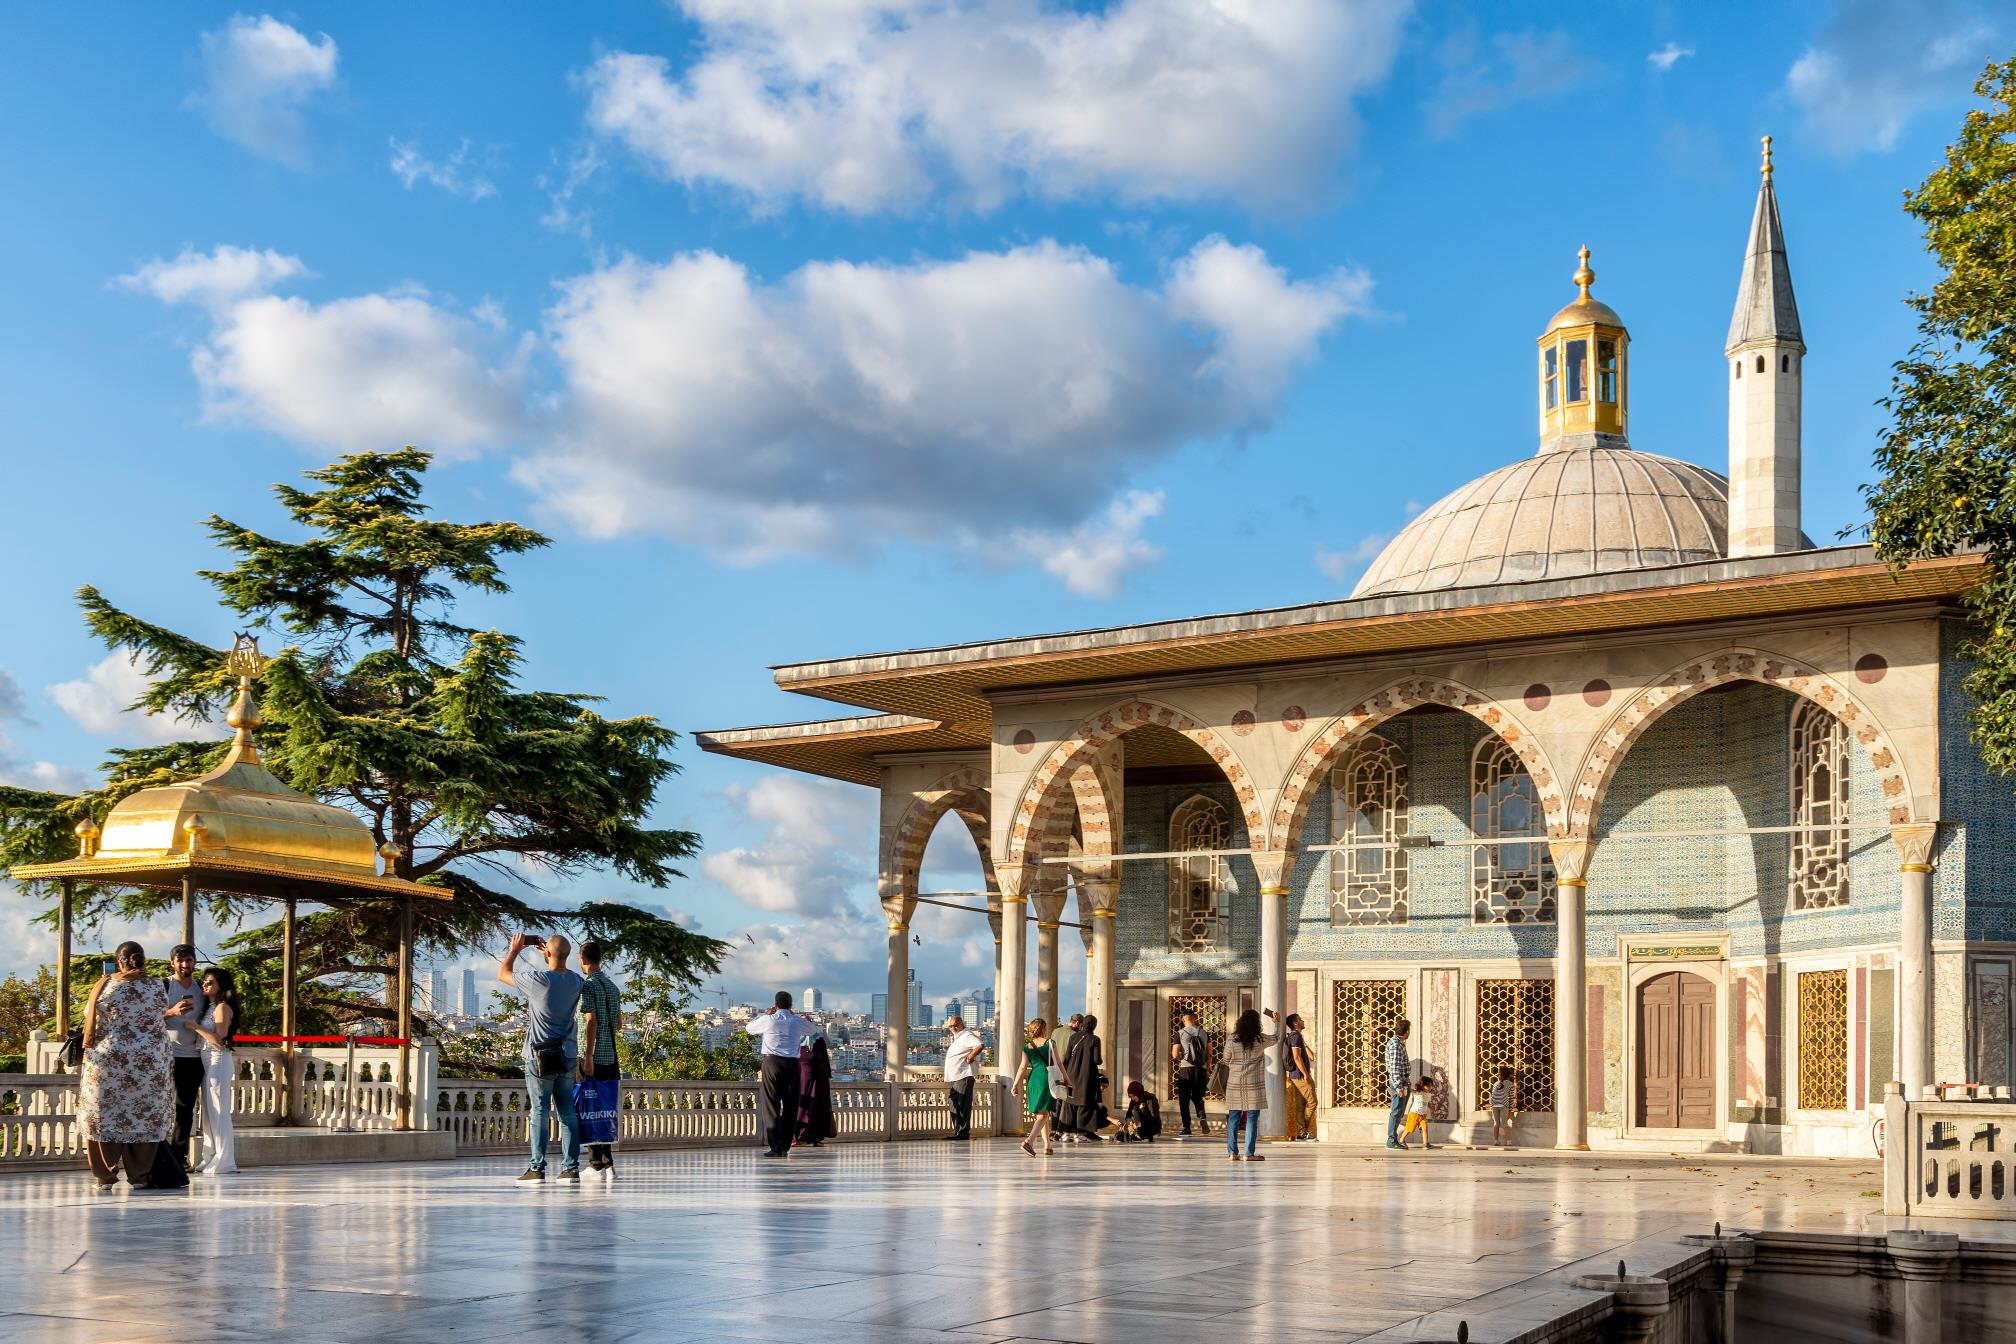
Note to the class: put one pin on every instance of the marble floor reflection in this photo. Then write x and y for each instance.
(915, 1243)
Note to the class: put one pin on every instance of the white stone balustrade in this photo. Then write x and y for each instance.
(37, 1110)
(492, 1116)
(1950, 1158)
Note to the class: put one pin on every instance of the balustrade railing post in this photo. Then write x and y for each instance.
(892, 1108)
(349, 1124)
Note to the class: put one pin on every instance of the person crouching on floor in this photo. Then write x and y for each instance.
(1417, 1112)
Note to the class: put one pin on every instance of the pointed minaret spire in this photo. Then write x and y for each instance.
(1765, 308)
(1765, 351)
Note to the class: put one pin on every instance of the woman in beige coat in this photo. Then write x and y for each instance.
(1246, 1081)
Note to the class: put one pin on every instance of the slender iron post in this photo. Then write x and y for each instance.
(290, 1100)
(64, 903)
(405, 1106)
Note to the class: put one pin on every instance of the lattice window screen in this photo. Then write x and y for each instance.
(1819, 762)
(1823, 1040)
(1210, 1010)
(1362, 1014)
(1368, 798)
(1509, 884)
(1196, 917)
(1515, 1026)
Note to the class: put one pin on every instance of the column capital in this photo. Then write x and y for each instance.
(1010, 877)
(1914, 841)
(1571, 860)
(1272, 868)
(1922, 1255)
(899, 926)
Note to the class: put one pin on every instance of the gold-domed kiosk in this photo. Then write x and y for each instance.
(239, 831)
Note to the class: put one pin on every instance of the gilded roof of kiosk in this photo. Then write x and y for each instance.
(236, 829)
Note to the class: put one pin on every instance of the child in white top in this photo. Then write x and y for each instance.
(1417, 1113)
(1501, 1108)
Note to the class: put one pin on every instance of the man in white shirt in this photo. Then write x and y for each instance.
(782, 1032)
(962, 1066)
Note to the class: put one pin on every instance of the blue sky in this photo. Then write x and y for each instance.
(809, 333)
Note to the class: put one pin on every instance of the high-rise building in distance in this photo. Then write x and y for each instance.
(954, 1008)
(916, 998)
(878, 1008)
(815, 1000)
(471, 1005)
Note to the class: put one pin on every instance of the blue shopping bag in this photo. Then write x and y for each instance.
(597, 1104)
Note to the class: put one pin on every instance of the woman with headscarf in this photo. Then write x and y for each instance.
(126, 1098)
(1082, 1061)
(815, 1095)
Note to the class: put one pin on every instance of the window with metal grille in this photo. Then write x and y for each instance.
(1196, 911)
(1209, 1010)
(1362, 1014)
(1823, 1040)
(1515, 1028)
(1819, 854)
(1369, 810)
(1509, 883)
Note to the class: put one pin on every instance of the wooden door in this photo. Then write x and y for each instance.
(1676, 1052)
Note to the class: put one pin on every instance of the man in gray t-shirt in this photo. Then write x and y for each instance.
(183, 1045)
(552, 993)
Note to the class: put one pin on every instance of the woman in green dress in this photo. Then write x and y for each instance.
(1035, 1072)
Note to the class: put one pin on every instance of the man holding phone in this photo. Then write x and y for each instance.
(186, 1050)
(552, 1047)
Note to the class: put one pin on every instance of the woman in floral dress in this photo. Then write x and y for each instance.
(126, 1104)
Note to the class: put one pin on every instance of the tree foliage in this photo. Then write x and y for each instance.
(661, 1040)
(384, 704)
(25, 1005)
(1948, 461)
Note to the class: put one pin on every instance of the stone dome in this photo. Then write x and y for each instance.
(1586, 509)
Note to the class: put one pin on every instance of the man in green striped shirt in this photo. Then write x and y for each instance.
(601, 1019)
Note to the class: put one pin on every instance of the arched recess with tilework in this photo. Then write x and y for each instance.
(963, 791)
(1060, 784)
(1645, 707)
(1328, 747)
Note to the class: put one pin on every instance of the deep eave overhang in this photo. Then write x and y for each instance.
(938, 699)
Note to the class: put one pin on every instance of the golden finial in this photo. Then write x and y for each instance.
(196, 828)
(87, 838)
(245, 663)
(1766, 169)
(1583, 275)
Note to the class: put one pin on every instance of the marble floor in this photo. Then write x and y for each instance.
(914, 1243)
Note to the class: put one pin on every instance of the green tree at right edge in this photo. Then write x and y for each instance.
(1948, 461)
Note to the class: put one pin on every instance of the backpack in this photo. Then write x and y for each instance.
(1193, 1052)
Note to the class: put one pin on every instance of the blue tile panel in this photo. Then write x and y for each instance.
(1715, 762)
(1971, 891)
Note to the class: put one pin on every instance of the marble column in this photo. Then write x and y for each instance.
(896, 1031)
(1571, 992)
(1008, 1007)
(1048, 895)
(1102, 992)
(1914, 843)
(1272, 869)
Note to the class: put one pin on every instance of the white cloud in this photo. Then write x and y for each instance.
(816, 855)
(1094, 557)
(13, 701)
(1876, 64)
(463, 173)
(101, 702)
(216, 278)
(371, 371)
(258, 77)
(1481, 77)
(1668, 56)
(828, 412)
(874, 105)
(850, 403)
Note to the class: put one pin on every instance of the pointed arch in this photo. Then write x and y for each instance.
(1054, 779)
(1642, 710)
(1344, 732)
(963, 791)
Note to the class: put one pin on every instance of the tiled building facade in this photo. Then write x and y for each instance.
(1676, 817)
